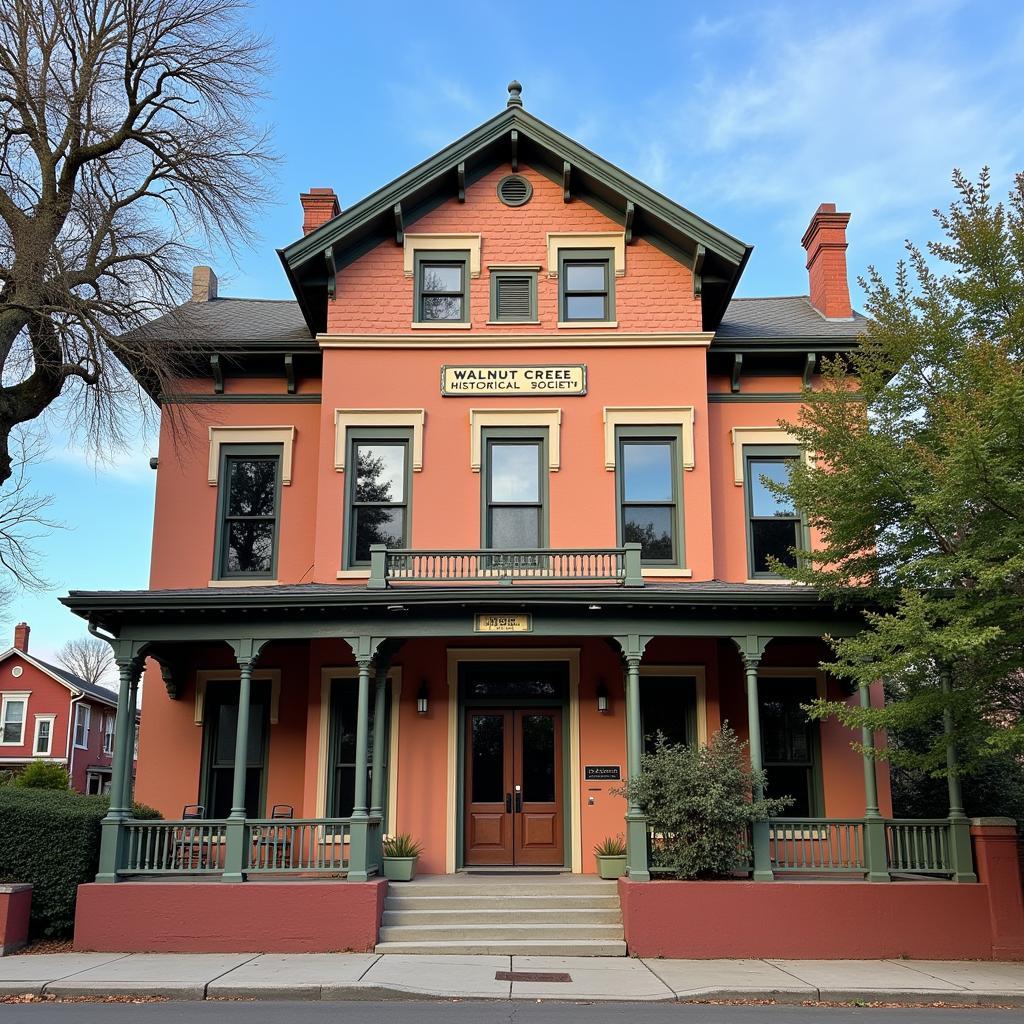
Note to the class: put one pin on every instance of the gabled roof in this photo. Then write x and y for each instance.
(514, 135)
(65, 678)
(785, 318)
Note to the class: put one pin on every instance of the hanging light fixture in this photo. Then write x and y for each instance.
(602, 697)
(422, 700)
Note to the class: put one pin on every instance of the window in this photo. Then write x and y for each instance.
(12, 718)
(341, 784)
(513, 296)
(514, 492)
(441, 293)
(83, 717)
(108, 733)
(774, 526)
(649, 483)
(789, 741)
(250, 489)
(668, 704)
(587, 286)
(379, 483)
(219, 728)
(42, 744)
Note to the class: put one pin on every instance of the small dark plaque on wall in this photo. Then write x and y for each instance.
(602, 773)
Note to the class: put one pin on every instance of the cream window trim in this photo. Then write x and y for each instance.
(481, 418)
(580, 339)
(14, 697)
(440, 243)
(440, 325)
(345, 418)
(229, 675)
(652, 572)
(36, 752)
(352, 574)
(284, 436)
(753, 436)
(697, 672)
(614, 240)
(680, 416)
(243, 583)
(568, 325)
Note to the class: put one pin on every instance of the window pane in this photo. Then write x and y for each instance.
(539, 758)
(250, 546)
(441, 307)
(773, 538)
(344, 791)
(584, 277)
(584, 307)
(43, 742)
(440, 277)
(380, 472)
(668, 706)
(488, 741)
(647, 471)
(251, 487)
(377, 526)
(515, 528)
(794, 782)
(515, 472)
(13, 717)
(763, 502)
(651, 525)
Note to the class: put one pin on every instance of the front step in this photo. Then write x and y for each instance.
(505, 915)
(493, 904)
(578, 947)
(497, 931)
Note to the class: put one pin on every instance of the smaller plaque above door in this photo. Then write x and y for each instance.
(602, 773)
(521, 622)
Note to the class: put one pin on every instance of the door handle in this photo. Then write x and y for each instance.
(508, 803)
(519, 803)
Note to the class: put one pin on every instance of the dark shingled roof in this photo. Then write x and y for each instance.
(93, 689)
(783, 318)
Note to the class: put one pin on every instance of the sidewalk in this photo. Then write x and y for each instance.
(371, 976)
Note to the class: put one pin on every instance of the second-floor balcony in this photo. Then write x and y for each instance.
(391, 567)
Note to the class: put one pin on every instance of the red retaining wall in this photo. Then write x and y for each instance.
(221, 917)
(15, 907)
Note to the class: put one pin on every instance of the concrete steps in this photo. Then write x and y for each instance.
(520, 915)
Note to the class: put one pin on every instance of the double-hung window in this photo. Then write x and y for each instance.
(378, 496)
(108, 734)
(515, 485)
(13, 707)
(220, 727)
(83, 718)
(250, 502)
(650, 482)
(668, 707)
(789, 741)
(341, 783)
(442, 292)
(774, 526)
(586, 286)
(42, 743)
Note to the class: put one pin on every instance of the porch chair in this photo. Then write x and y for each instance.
(188, 849)
(273, 843)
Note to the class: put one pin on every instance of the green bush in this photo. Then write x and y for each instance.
(699, 804)
(141, 811)
(43, 775)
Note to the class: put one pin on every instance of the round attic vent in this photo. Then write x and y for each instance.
(514, 190)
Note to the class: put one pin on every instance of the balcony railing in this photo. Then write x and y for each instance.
(394, 566)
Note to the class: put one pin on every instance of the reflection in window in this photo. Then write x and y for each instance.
(648, 497)
(774, 522)
(249, 527)
(514, 504)
(585, 289)
(342, 747)
(379, 504)
(441, 295)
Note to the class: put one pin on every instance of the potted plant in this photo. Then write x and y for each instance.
(610, 855)
(400, 855)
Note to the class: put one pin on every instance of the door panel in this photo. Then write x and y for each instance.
(488, 787)
(538, 777)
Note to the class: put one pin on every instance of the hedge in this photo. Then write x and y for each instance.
(52, 839)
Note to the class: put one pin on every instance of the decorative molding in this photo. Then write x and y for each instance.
(346, 418)
(614, 240)
(242, 398)
(680, 416)
(440, 243)
(440, 325)
(494, 340)
(284, 436)
(549, 418)
(653, 572)
(230, 675)
(752, 436)
(586, 324)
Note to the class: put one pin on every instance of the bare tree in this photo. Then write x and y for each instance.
(90, 659)
(126, 140)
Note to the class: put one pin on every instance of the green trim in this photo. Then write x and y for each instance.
(780, 396)
(229, 452)
(507, 273)
(511, 435)
(757, 452)
(455, 257)
(589, 256)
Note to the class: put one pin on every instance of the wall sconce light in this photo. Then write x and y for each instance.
(422, 702)
(602, 697)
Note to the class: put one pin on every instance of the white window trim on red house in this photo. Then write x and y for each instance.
(109, 724)
(48, 752)
(79, 708)
(6, 700)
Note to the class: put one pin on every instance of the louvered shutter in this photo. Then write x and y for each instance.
(512, 301)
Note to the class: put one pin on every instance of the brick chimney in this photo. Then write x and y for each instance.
(319, 205)
(204, 284)
(21, 632)
(825, 242)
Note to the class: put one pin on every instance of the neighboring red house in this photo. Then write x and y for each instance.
(49, 714)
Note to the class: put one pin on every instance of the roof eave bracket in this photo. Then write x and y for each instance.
(332, 271)
(289, 372)
(515, 150)
(460, 173)
(809, 367)
(218, 374)
(630, 214)
(737, 369)
(566, 176)
(399, 225)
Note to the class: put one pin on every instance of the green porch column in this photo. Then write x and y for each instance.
(111, 833)
(876, 855)
(377, 762)
(236, 831)
(129, 761)
(636, 821)
(359, 852)
(960, 853)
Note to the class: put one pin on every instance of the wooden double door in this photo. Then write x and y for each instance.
(514, 787)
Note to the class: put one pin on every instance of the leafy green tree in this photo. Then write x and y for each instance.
(916, 490)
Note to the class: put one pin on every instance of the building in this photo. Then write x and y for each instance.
(49, 714)
(463, 526)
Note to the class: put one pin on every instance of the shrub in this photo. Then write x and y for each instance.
(611, 846)
(141, 811)
(43, 775)
(699, 804)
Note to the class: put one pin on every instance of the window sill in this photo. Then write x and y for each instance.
(513, 323)
(587, 324)
(352, 574)
(21, 744)
(261, 581)
(669, 572)
(773, 581)
(441, 325)
(78, 746)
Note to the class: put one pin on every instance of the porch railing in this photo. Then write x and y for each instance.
(816, 844)
(621, 566)
(173, 847)
(921, 847)
(306, 846)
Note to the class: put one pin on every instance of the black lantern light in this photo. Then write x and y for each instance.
(422, 702)
(602, 697)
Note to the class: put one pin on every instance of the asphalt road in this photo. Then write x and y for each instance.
(497, 1012)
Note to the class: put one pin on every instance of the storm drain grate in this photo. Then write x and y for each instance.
(531, 976)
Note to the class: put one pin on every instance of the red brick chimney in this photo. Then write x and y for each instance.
(825, 242)
(21, 632)
(319, 205)
(204, 284)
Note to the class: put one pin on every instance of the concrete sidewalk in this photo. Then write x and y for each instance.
(371, 976)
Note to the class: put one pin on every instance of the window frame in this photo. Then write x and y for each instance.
(51, 720)
(79, 708)
(510, 436)
(815, 778)
(109, 725)
(421, 257)
(228, 453)
(6, 699)
(764, 453)
(504, 273)
(691, 709)
(367, 435)
(588, 256)
(649, 435)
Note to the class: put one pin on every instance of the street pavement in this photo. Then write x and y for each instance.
(371, 977)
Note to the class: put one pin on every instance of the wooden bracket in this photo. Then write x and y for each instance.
(460, 173)
(630, 213)
(399, 225)
(737, 368)
(332, 271)
(809, 367)
(289, 372)
(566, 174)
(218, 375)
(698, 271)
(515, 150)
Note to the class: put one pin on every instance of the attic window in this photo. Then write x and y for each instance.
(514, 295)
(514, 190)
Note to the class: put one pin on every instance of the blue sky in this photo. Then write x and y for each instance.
(750, 117)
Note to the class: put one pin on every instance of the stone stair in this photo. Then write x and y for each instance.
(544, 915)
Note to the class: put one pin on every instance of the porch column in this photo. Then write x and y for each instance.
(636, 821)
(358, 865)
(875, 852)
(377, 762)
(129, 761)
(961, 855)
(111, 835)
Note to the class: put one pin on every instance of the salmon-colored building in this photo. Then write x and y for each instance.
(443, 543)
